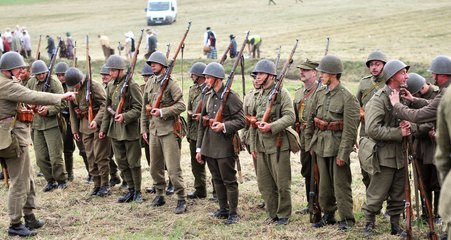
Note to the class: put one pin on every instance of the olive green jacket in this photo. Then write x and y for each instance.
(129, 129)
(51, 119)
(248, 109)
(303, 112)
(281, 117)
(171, 105)
(335, 105)
(11, 93)
(368, 86)
(195, 96)
(98, 105)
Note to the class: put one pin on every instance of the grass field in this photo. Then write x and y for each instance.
(412, 30)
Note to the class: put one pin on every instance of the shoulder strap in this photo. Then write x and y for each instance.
(371, 89)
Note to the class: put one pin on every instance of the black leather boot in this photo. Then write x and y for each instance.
(20, 230)
(128, 197)
(31, 222)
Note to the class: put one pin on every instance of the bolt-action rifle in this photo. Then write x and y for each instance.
(89, 83)
(38, 51)
(407, 200)
(46, 86)
(314, 208)
(326, 51)
(75, 54)
(224, 56)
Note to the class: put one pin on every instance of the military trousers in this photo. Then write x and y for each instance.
(306, 169)
(388, 185)
(335, 191)
(82, 151)
(165, 150)
(68, 148)
(128, 158)
(21, 194)
(225, 183)
(48, 147)
(198, 171)
(98, 152)
(274, 183)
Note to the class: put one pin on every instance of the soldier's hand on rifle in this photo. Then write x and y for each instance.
(43, 110)
(101, 135)
(119, 118)
(199, 158)
(77, 137)
(93, 125)
(340, 162)
(156, 112)
(195, 116)
(264, 127)
(146, 138)
(217, 127)
(405, 128)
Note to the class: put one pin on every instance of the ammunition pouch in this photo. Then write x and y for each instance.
(205, 121)
(300, 126)
(180, 127)
(81, 114)
(325, 125)
(25, 115)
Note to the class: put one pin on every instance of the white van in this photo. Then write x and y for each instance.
(161, 11)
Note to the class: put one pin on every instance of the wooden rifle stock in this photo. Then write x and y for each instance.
(314, 208)
(408, 205)
(38, 51)
(228, 85)
(129, 76)
(164, 82)
(89, 83)
(224, 56)
(275, 91)
(46, 86)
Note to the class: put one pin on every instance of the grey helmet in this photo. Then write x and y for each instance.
(198, 68)
(330, 64)
(38, 67)
(214, 69)
(415, 83)
(265, 66)
(104, 70)
(61, 68)
(441, 65)
(73, 76)
(392, 67)
(376, 55)
(147, 70)
(115, 62)
(11, 60)
(157, 57)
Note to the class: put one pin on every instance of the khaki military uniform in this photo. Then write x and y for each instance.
(217, 148)
(48, 141)
(443, 156)
(274, 167)
(143, 143)
(302, 108)
(163, 143)
(21, 194)
(248, 108)
(98, 150)
(388, 180)
(125, 136)
(368, 86)
(198, 170)
(334, 106)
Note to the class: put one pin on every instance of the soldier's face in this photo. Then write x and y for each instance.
(114, 73)
(60, 77)
(326, 78)
(16, 72)
(106, 78)
(306, 75)
(156, 68)
(376, 67)
(41, 76)
(263, 79)
(440, 79)
(209, 81)
(400, 78)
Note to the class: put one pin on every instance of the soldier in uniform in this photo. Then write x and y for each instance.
(368, 86)
(123, 128)
(269, 144)
(48, 142)
(215, 141)
(97, 149)
(330, 134)
(195, 102)
(387, 132)
(302, 99)
(21, 194)
(164, 144)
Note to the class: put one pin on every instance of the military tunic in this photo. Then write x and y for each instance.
(21, 194)
(163, 143)
(383, 127)
(334, 105)
(248, 108)
(198, 170)
(48, 141)
(98, 150)
(217, 148)
(274, 167)
(125, 136)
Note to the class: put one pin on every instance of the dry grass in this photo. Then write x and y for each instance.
(414, 31)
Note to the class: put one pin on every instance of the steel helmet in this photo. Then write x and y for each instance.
(115, 62)
(392, 67)
(214, 69)
(104, 70)
(441, 65)
(38, 67)
(11, 60)
(330, 64)
(198, 68)
(73, 76)
(265, 66)
(415, 83)
(157, 57)
(61, 68)
(147, 70)
(376, 55)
